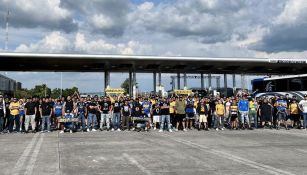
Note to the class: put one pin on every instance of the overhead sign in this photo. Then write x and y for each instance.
(288, 61)
(183, 92)
(115, 91)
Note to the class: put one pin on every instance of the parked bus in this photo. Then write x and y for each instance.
(294, 85)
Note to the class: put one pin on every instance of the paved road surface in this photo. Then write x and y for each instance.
(214, 152)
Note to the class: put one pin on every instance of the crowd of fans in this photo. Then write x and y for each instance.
(117, 113)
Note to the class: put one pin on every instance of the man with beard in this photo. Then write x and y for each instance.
(46, 112)
(105, 110)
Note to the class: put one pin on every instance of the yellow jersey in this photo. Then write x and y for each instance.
(172, 106)
(220, 109)
(14, 108)
(294, 108)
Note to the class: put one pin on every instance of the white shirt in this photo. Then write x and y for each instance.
(303, 104)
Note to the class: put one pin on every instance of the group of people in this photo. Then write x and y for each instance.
(178, 112)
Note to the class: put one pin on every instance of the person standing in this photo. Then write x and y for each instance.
(294, 113)
(46, 112)
(266, 113)
(253, 107)
(2, 113)
(91, 118)
(14, 115)
(105, 110)
(220, 113)
(180, 113)
(202, 110)
(303, 108)
(244, 110)
(165, 115)
(126, 115)
(30, 111)
(81, 113)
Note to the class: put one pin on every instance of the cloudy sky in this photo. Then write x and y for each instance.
(215, 28)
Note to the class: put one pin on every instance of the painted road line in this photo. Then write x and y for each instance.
(32, 161)
(136, 163)
(244, 161)
(19, 164)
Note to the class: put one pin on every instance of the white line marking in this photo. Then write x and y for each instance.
(226, 155)
(31, 164)
(136, 163)
(19, 164)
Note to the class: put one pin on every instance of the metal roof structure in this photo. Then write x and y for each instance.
(164, 64)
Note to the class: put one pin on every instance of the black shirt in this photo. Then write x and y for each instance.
(116, 106)
(46, 108)
(266, 109)
(30, 106)
(126, 110)
(137, 110)
(69, 106)
(105, 106)
(92, 111)
(156, 109)
(165, 110)
(81, 107)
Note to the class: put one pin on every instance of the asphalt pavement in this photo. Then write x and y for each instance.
(193, 152)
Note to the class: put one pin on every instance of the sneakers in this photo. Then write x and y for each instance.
(112, 129)
(88, 130)
(118, 129)
(94, 130)
(176, 130)
(155, 128)
(61, 132)
(70, 131)
(185, 130)
(160, 130)
(222, 129)
(216, 129)
(170, 130)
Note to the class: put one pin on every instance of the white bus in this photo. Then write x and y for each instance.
(294, 85)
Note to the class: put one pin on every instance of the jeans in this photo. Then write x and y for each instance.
(91, 120)
(46, 119)
(30, 119)
(1, 123)
(167, 119)
(218, 121)
(244, 117)
(105, 118)
(305, 119)
(116, 120)
(12, 119)
(126, 122)
(81, 118)
(254, 116)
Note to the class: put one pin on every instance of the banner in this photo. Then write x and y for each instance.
(115, 91)
(183, 92)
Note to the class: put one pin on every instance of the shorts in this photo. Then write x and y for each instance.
(266, 118)
(282, 116)
(58, 115)
(233, 117)
(180, 117)
(190, 115)
(295, 117)
(156, 118)
(203, 118)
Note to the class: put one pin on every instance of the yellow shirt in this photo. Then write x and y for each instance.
(172, 106)
(14, 108)
(293, 108)
(220, 109)
(153, 102)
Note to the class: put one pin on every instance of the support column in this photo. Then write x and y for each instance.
(234, 83)
(225, 85)
(160, 83)
(242, 81)
(130, 83)
(209, 82)
(155, 83)
(134, 84)
(202, 84)
(173, 83)
(185, 83)
(106, 80)
(218, 82)
(178, 80)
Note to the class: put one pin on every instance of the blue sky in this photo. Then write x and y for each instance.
(213, 28)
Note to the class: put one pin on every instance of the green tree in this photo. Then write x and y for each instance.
(41, 91)
(23, 93)
(125, 85)
(55, 93)
(70, 91)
